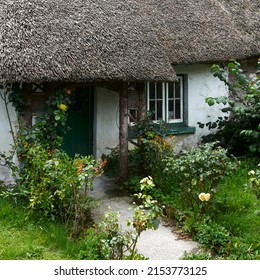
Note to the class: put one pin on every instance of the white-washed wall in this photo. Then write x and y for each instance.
(201, 84)
(6, 140)
(106, 121)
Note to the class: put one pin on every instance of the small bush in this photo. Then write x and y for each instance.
(152, 147)
(112, 159)
(214, 236)
(239, 250)
(54, 185)
(197, 173)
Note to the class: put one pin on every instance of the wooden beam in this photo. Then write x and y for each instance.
(27, 117)
(142, 102)
(123, 133)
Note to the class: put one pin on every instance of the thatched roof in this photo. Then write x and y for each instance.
(82, 40)
(199, 31)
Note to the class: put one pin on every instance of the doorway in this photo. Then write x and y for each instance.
(79, 139)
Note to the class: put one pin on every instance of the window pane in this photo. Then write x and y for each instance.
(170, 90)
(170, 105)
(177, 109)
(159, 90)
(152, 90)
(152, 109)
(177, 90)
(159, 110)
(165, 101)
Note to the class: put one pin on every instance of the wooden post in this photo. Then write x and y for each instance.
(123, 133)
(27, 117)
(142, 103)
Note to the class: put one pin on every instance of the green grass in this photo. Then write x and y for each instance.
(241, 208)
(238, 211)
(22, 237)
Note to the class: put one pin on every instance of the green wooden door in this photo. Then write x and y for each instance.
(79, 139)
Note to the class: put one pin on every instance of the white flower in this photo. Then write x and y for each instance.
(251, 173)
(148, 180)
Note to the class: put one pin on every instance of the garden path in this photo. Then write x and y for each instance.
(160, 244)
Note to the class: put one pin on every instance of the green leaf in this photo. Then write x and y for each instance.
(214, 125)
(231, 65)
(201, 125)
(210, 101)
(225, 110)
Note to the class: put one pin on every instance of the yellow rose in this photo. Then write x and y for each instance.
(204, 196)
(63, 107)
(207, 196)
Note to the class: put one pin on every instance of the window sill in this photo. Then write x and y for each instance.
(177, 129)
(173, 129)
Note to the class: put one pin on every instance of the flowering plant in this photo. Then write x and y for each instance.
(198, 172)
(56, 186)
(254, 181)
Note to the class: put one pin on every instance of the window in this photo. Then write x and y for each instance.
(166, 100)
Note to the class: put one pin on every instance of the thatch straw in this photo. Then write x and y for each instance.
(101, 40)
(202, 31)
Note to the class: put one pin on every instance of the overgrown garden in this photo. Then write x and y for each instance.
(209, 193)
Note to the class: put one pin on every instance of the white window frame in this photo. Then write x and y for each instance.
(165, 99)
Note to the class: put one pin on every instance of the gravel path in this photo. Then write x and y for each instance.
(160, 244)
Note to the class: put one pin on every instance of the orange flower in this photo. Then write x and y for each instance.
(79, 166)
(103, 163)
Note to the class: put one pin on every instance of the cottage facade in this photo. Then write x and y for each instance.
(103, 50)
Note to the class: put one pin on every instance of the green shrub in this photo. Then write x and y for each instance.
(50, 126)
(197, 256)
(214, 236)
(239, 250)
(197, 173)
(152, 147)
(90, 248)
(53, 184)
(112, 162)
(145, 159)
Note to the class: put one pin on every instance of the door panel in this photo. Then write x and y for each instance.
(79, 139)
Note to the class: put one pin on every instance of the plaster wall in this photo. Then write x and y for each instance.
(201, 84)
(5, 136)
(106, 121)
(6, 139)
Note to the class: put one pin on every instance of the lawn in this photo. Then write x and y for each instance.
(22, 237)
